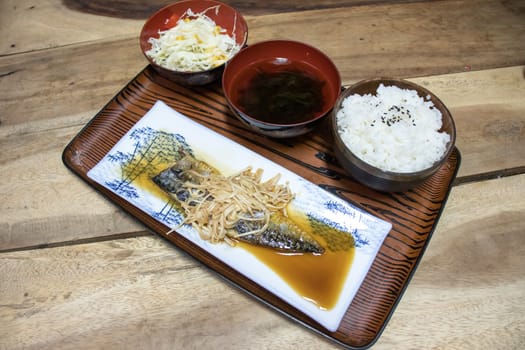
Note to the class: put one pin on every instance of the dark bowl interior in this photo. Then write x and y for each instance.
(280, 56)
(374, 177)
(226, 16)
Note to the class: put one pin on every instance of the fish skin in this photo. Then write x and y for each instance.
(172, 179)
(281, 234)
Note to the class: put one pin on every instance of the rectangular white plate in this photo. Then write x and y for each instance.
(152, 136)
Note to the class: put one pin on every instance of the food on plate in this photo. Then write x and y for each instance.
(394, 130)
(196, 43)
(234, 208)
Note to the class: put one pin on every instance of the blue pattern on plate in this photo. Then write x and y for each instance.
(149, 146)
(360, 240)
(158, 139)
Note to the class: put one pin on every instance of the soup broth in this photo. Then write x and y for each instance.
(282, 94)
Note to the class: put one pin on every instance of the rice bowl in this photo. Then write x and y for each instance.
(391, 134)
(394, 129)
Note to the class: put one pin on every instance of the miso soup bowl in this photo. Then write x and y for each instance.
(222, 14)
(280, 56)
(374, 177)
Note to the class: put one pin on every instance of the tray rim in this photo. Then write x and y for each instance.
(108, 194)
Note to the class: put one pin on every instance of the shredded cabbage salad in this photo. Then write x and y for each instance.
(196, 43)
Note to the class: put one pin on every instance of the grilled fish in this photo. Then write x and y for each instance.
(282, 234)
(279, 232)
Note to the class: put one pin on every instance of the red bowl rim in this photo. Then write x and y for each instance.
(322, 114)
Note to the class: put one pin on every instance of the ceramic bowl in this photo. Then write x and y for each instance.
(281, 88)
(372, 176)
(223, 15)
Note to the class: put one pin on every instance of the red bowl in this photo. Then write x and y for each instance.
(226, 16)
(280, 56)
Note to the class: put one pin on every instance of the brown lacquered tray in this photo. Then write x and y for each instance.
(414, 214)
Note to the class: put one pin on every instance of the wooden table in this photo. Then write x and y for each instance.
(77, 272)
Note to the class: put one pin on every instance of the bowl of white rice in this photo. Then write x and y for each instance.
(391, 134)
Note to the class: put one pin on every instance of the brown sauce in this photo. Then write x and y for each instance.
(317, 278)
(144, 181)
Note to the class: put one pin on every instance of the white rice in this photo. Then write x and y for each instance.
(395, 130)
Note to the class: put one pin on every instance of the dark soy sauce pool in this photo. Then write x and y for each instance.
(317, 278)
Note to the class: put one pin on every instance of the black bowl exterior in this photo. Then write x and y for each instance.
(387, 181)
(190, 79)
(371, 176)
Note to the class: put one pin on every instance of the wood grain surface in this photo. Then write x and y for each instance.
(77, 272)
(414, 214)
(141, 293)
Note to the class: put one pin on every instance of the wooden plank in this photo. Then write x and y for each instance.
(143, 293)
(371, 40)
(46, 99)
(49, 76)
(64, 209)
(143, 9)
(37, 82)
(56, 23)
(364, 40)
(65, 81)
(49, 24)
(489, 142)
(489, 111)
(468, 291)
